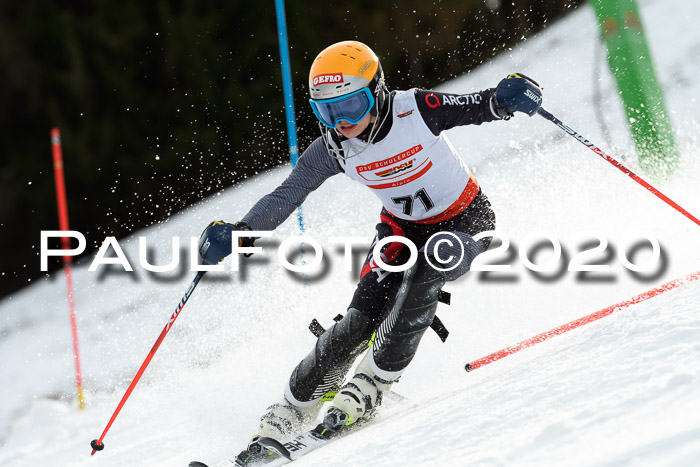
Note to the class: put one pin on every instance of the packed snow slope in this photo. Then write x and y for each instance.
(625, 390)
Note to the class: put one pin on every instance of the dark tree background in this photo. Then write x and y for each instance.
(162, 103)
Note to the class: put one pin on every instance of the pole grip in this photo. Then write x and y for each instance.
(544, 113)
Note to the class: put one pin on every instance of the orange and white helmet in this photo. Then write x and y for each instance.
(346, 82)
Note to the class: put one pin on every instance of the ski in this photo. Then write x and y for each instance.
(270, 452)
(300, 445)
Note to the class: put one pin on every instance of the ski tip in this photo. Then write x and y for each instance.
(197, 464)
(468, 367)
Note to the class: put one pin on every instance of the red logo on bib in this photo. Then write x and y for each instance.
(390, 161)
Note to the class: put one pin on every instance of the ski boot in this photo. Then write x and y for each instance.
(358, 398)
(285, 419)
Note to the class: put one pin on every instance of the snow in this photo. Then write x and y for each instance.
(623, 390)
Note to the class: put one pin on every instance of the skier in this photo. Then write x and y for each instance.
(392, 142)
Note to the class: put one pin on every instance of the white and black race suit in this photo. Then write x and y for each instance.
(425, 188)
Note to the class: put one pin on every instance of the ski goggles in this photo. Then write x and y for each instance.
(350, 108)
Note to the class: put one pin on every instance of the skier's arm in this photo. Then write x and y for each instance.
(442, 111)
(313, 168)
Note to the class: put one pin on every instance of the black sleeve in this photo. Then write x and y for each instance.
(442, 111)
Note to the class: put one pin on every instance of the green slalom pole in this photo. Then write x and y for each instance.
(642, 97)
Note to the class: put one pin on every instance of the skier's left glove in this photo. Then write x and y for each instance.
(517, 93)
(215, 241)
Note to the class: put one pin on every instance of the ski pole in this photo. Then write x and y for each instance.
(614, 162)
(478, 363)
(97, 444)
(67, 260)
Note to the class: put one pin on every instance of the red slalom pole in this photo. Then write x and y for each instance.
(614, 162)
(580, 322)
(67, 260)
(97, 444)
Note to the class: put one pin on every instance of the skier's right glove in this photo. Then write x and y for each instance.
(215, 241)
(518, 93)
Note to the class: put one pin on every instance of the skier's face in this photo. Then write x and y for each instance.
(352, 131)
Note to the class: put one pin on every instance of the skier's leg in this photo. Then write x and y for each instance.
(320, 373)
(396, 340)
(323, 370)
(394, 343)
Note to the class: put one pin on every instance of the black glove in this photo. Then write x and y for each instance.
(215, 241)
(517, 93)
